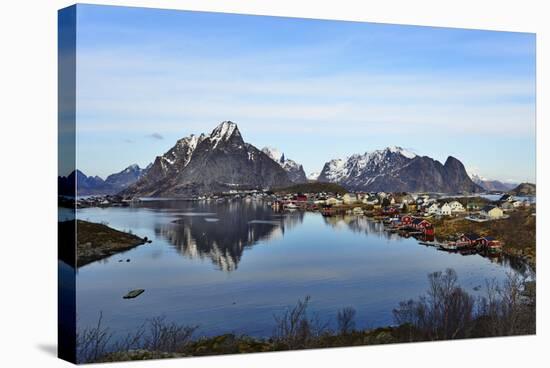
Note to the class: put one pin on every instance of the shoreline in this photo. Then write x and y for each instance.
(95, 242)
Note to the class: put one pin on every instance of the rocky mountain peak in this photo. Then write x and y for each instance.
(295, 171)
(225, 131)
(218, 162)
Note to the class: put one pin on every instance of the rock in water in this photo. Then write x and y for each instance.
(133, 294)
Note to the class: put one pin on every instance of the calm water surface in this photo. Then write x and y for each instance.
(230, 267)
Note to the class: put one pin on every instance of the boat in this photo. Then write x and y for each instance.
(448, 246)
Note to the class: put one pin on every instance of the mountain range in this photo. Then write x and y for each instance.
(492, 185)
(92, 185)
(395, 169)
(222, 161)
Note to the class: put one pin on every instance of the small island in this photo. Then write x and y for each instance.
(99, 241)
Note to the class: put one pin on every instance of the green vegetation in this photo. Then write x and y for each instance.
(314, 187)
(445, 311)
(96, 241)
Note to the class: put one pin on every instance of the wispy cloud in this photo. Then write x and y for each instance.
(156, 136)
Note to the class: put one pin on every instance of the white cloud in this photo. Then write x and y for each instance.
(141, 91)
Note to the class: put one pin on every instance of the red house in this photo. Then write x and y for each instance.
(490, 242)
(300, 198)
(470, 239)
(420, 224)
(406, 220)
(429, 230)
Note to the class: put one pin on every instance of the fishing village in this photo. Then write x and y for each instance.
(464, 224)
(488, 224)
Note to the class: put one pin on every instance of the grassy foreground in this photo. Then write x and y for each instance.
(444, 312)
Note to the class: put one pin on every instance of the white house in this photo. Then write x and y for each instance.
(444, 210)
(517, 204)
(333, 201)
(349, 198)
(456, 206)
(433, 209)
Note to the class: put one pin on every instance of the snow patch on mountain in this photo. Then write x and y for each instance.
(273, 152)
(294, 170)
(313, 175)
(223, 132)
(402, 151)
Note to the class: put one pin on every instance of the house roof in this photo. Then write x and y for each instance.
(488, 208)
(471, 236)
(417, 221)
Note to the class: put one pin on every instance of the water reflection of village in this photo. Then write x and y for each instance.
(360, 224)
(221, 232)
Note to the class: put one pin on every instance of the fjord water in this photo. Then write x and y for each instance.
(230, 267)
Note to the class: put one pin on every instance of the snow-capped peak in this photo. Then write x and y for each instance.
(336, 169)
(223, 132)
(274, 153)
(295, 170)
(475, 176)
(402, 151)
(365, 166)
(133, 167)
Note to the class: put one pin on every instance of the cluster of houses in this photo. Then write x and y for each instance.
(445, 209)
(473, 240)
(415, 224)
(509, 202)
(388, 204)
(101, 201)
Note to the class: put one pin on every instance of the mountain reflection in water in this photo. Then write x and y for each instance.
(222, 232)
(229, 267)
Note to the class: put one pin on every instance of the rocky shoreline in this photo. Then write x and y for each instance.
(99, 241)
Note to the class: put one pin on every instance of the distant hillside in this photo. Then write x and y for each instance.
(492, 185)
(524, 189)
(313, 187)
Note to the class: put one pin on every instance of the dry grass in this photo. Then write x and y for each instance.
(517, 233)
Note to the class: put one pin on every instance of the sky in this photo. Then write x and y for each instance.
(314, 89)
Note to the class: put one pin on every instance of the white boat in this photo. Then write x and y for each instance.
(291, 207)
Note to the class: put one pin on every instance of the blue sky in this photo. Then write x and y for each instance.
(315, 89)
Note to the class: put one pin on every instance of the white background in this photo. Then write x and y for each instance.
(28, 167)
